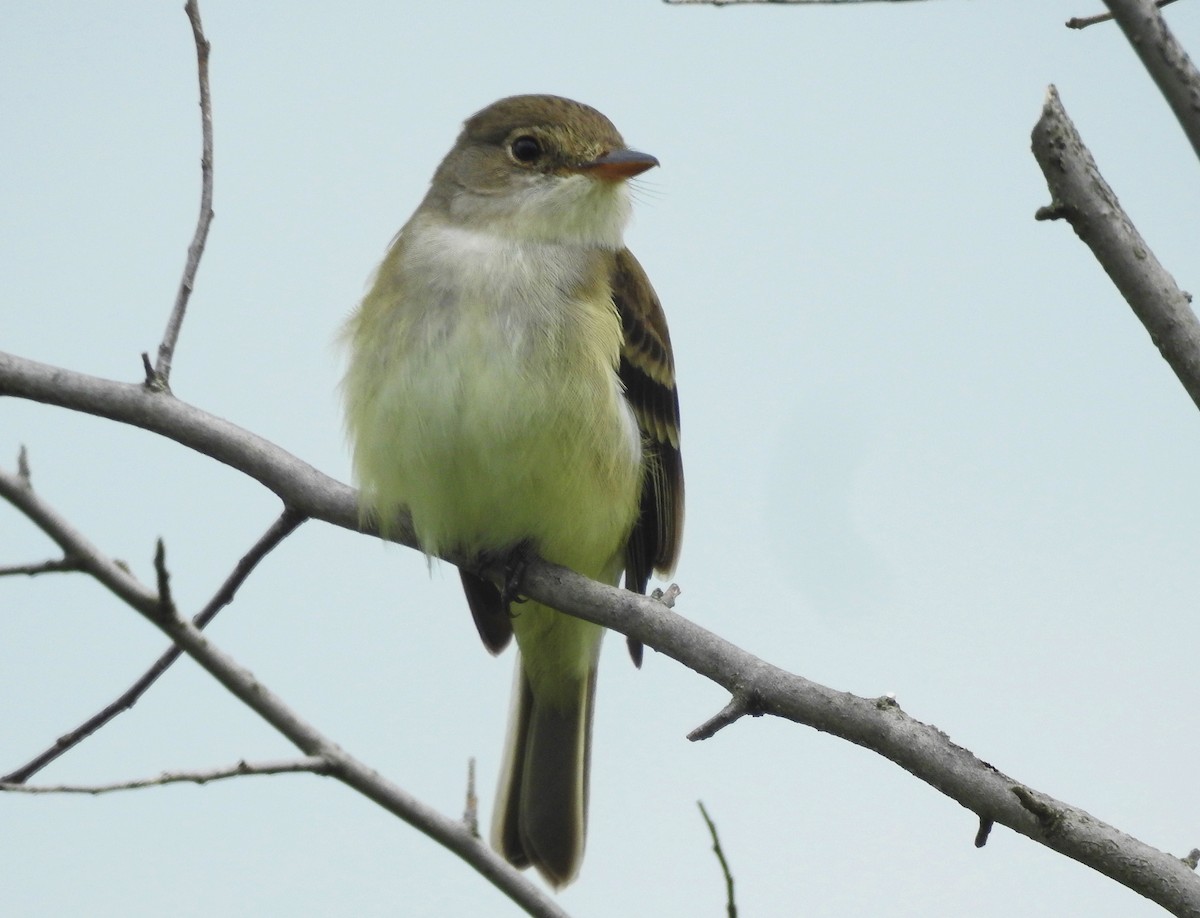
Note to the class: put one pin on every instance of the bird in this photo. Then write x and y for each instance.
(511, 387)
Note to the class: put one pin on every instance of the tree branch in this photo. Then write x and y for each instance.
(470, 816)
(450, 833)
(1082, 22)
(297, 484)
(1164, 58)
(774, 2)
(241, 683)
(738, 707)
(311, 764)
(730, 902)
(53, 566)
(875, 724)
(17, 490)
(755, 686)
(159, 377)
(1081, 196)
(284, 526)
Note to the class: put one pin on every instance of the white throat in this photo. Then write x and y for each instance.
(567, 210)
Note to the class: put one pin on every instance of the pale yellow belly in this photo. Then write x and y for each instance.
(488, 446)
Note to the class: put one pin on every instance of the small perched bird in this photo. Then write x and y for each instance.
(511, 386)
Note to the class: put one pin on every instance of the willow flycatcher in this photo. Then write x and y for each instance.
(511, 386)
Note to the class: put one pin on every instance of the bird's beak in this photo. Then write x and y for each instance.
(618, 165)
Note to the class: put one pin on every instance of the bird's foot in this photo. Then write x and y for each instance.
(514, 570)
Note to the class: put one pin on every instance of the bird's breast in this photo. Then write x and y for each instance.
(501, 417)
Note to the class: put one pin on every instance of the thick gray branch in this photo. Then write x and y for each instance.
(298, 484)
(878, 724)
(1080, 196)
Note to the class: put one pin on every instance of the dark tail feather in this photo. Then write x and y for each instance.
(541, 806)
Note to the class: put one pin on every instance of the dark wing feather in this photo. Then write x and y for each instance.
(491, 616)
(648, 373)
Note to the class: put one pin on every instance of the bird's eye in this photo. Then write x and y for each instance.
(526, 149)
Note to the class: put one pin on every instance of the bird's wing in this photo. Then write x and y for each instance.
(647, 371)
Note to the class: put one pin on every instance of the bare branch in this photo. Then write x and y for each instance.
(297, 484)
(109, 572)
(163, 577)
(160, 379)
(985, 829)
(739, 706)
(446, 831)
(151, 378)
(1082, 22)
(311, 764)
(23, 472)
(58, 565)
(774, 2)
(287, 523)
(876, 724)
(284, 526)
(1168, 64)
(730, 902)
(240, 682)
(1080, 195)
(471, 810)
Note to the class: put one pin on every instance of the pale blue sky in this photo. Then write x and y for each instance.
(928, 449)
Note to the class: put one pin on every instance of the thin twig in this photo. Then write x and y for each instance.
(284, 526)
(1082, 22)
(312, 764)
(730, 903)
(471, 810)
(160, 380)
(108, 571)
(163, 578)
(53, 566)
(738, 707)
(985, 829)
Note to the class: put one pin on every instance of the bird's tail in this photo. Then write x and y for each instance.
(542, 799)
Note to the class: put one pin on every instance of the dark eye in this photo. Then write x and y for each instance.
(526, 149)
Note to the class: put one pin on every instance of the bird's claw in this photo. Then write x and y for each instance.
(514, 571)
